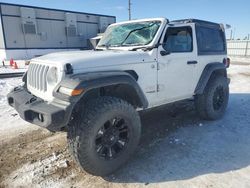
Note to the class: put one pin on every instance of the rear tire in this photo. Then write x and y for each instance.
(104, 137)
(212, 104)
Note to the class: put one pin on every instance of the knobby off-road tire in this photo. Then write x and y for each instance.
(104, 135)
(211, 105)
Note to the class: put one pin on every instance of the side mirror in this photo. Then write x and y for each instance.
(164, 53)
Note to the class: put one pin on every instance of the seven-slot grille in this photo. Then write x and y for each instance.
(37, 75)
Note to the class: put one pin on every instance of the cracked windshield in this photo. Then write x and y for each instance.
(131, 34)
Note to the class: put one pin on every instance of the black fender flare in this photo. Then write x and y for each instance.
(206, 74)
(94, 80)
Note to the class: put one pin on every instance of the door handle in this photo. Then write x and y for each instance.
(192, 62)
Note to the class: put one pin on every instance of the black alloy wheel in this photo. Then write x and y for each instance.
(218, 98)
(112, 138)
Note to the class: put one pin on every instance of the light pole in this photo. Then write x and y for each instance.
(234, 33)
(129, 9)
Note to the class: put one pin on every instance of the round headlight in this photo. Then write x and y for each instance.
(52, 76)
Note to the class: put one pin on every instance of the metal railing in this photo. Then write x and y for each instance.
(238, 48)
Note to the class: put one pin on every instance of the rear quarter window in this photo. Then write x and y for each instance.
(211, 41)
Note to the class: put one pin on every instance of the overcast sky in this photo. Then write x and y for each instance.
(233, 12)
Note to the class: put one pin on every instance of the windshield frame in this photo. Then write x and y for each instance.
(161, 21)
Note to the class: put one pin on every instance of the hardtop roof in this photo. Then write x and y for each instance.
(198, 22)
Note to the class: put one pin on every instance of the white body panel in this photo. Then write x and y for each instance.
(143, 63)
(163, 79)
(177, 79)
(173, 71)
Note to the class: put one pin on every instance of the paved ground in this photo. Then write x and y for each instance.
(177, 149)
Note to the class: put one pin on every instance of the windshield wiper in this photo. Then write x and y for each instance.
(147, 48)
(142, 48)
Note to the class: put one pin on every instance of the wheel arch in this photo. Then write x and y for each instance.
(210, 70)
(120, 84)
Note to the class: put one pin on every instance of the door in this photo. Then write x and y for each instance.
(176, 64)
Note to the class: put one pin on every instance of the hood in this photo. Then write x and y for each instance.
(92, 59)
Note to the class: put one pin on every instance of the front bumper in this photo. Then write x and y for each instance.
(51, 116)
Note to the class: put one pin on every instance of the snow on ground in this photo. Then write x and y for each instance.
(239, 82)
(9, 69)
(177, 149)
(22, 67)
(52, 164)
(10, 122)
(240, 60)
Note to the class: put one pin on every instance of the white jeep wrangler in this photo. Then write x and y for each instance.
(96, 95)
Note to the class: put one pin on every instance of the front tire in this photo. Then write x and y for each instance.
(212, 104)
(104, 137)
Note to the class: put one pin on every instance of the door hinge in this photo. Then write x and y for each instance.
(158, 66)
(158, 88)
(161, 66)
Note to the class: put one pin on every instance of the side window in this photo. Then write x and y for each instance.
(178, 39)
(210, 40)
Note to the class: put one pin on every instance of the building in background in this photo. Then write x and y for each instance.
(27, 31)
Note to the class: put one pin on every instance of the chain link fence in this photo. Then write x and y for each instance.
(239, 48)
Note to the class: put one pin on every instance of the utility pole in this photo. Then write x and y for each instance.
(129, 9)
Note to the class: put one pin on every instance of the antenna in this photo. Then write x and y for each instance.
(129, 9)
